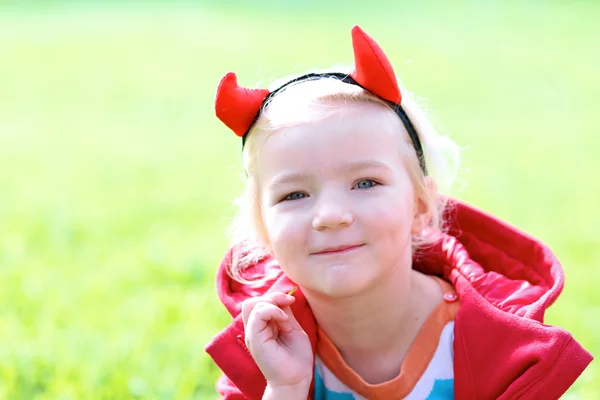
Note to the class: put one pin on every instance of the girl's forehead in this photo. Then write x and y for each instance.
(359, 132)
(347, 125)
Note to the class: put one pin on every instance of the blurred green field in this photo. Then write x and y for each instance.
(116, 179)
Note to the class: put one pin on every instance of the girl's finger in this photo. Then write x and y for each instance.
(278, 299)
(292, 319)
(285, 327)
(263, 314)
(267, 311)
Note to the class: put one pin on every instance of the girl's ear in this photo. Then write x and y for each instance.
(420, 219)
(422, 207)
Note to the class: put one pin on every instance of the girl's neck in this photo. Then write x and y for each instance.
(380, 324)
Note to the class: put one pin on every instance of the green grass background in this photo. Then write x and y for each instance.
(116, 179)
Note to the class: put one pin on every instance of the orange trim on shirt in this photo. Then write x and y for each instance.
(414, 365)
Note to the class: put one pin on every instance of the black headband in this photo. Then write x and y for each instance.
(412, 133)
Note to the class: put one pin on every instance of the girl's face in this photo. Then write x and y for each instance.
(337, 203)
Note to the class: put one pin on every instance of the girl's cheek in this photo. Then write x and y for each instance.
(287, 233)
(277, 228)
(389, 213)
(384, 212)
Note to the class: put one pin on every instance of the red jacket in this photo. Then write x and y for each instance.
(502, 350)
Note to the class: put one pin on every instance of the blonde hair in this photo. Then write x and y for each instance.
(311, 101)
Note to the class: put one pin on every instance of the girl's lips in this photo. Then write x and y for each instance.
(339, 249)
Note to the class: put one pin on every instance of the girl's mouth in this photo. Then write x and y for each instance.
(338, 249)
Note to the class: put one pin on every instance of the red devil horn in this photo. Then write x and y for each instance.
(237, 106)
(372, 67)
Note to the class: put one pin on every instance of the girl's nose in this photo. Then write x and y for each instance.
(332, 216)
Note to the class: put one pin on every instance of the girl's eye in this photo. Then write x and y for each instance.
(365, 184)
(295, 196)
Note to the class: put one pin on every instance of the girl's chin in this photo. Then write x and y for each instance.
(341, 281)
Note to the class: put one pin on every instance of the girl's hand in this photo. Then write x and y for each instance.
(278, 344)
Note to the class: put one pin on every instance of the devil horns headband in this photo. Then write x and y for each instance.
(238, 107)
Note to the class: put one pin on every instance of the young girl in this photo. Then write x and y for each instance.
(401, 292)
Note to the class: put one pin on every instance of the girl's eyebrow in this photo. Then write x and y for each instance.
(365, 164)
(289, 177)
